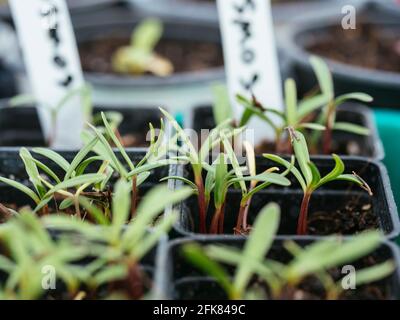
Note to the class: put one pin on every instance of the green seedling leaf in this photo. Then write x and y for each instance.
(47, 170)
(150, 240)
(195, 254)
(66, 203)
(375, 273)
(291, 102)
(221, 172)
(302, 155)
(53, 156)
(147, 34)
(32, 170)
(234, 161)
(258, 244)
(352, 128)
(108, 153)
(335, 173)
(309, 105)
(323, 75)
(222, 106)
(150, 207)
(116, 141)
(80, 156)
(289, 166)
(22, 188)
(184, 180)
(89, 178)
(312, 126)
(363, 97)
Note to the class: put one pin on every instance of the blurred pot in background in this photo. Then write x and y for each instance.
(192, 50)
(365, 59)
(9, 60)
(206, 10)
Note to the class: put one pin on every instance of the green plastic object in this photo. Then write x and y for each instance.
(388, 123)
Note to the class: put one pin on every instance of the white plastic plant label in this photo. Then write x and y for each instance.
(51, 58)
(250, 55)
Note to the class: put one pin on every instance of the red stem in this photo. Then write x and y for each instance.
(240, 219)
(215, 220)
(302, 223)
(221, 220)
(202, 204)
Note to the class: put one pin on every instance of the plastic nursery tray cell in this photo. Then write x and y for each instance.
(180, 280)
(336, 208)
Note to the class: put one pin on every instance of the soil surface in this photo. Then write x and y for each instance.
(368, 46)
(186, 56)
(353, 218)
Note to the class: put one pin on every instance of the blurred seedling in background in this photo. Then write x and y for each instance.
(139, 57)
(258, 277)
(314, 115)
(85, 95)
(309, 176)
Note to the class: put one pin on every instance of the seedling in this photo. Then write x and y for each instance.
(136, 174)
(85, 94)
(253, 270)
(218, 178)
(80, 189)
(309, 176)
(87, 258)
(139, 57)
(312, 115)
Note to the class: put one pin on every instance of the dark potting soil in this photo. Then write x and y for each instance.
(186, 56)
(353, 218)
(367, 46)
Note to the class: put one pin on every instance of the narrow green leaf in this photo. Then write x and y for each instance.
(291, 102)
(54, 156)
(258, 244)
(352, 128)
(323, 75)
(21, 188)
(374, 273)
(76, 181)
(363, 97)
(222, 108)
(288, 166)
(336, 171)
(31, 170)
(79, 157)
(302, 155)
(195, 254)
(116, 141)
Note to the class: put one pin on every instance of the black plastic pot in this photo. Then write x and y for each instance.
(20, 126)
(330, 198)
(207, 10)
(368, 146)
(384, 86)
(8, 87)
(178, 91)
(180, 280)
